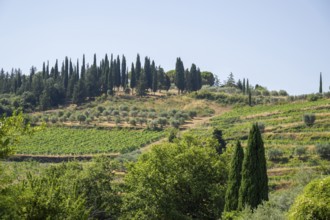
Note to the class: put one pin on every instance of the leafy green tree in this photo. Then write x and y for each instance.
(179, 75)
(230, 81)
(234, 179)
(313, 203)
(254, 184)
(207, 78)
(12, 128)
(181, 180)
(188, 81)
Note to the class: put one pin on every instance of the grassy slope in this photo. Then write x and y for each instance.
(284, 130)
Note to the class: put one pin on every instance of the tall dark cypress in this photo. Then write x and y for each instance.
(123, 72)
(147, 72)
(47, 69)
(133, 78)
(154, 74)
(234, 178)
(244, 87)
(43, 70)
(117, 73)
(247, 86)
(83, 68)
(137, 68)
(189, 80)
(254, 184)
(199, 79)
(320, 88)
(192, 81)
(66, 74)
(179, 75)
(56, 72)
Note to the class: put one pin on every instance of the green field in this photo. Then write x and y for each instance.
(59, 141)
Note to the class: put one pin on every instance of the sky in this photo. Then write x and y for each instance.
(279, 44)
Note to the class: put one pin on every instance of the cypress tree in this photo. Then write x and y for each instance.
(250, 98)
(47, 69)
(234, 178)
(56, 72)
(154, 73)
(133, 78)
(254, 184)
(199, 79)
(320, 88)
(117, 82)
(147, 72)
(137, 68)
(188, 80)
(244, 87)
(43, 70)
(123, 73)
(192, 81)
(66, 73)
(179, 75)
(83, 68)
(247, 86)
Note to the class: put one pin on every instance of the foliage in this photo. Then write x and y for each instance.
(274, 154)
(179, 180)
(323, 150)
(65, 191)
(11, 130)
(234, 178)
(309, 119)
(314, 202)
(254, 185)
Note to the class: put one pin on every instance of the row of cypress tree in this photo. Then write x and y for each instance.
(248, 181)
(75, 82)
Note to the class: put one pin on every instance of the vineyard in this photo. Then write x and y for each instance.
(290, 143)
(61, 140)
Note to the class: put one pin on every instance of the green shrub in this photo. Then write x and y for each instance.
(81, 118)
(313, 203)
(323, 150)
(274, 154)
(309, 119)
(300, 150)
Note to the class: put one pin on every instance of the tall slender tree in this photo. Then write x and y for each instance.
(123, 72)
(147, 72)
(133, 78)
(137, 67)
(234, 178)
(320, 88)
(179, 75)
(254, 185)
(154, 73)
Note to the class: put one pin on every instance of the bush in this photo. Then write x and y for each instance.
(274, 154)
(123, 108)
(81, 118)
(100, 109)
(132, 122)
(313, 203)
(175, 123)
(323, 150)
(300, 151)
(309, 119)
(53, 120)
(261, 127)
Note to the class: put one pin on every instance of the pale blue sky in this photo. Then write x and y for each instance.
(281, 44)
